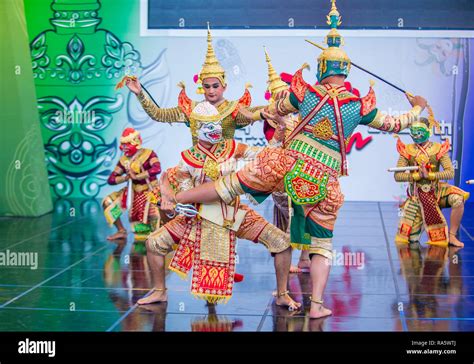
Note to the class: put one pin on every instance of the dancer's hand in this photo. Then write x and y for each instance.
(278, 119)
(167, 191)
(417, 101)
(132, 174)
(282, 94)
(423, 172)
(133, 85)
(121, 179)
(167, 205)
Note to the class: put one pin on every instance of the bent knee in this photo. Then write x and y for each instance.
(159, 242)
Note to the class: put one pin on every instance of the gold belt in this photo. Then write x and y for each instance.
(310, 147)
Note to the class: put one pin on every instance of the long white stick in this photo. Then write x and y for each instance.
(403, 169)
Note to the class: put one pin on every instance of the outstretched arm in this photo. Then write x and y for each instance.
(377, 120)
(205, 193)
(280, 125)
(170, 115)
(245, 116)
(285, 105)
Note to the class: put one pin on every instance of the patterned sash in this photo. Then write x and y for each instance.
(434, 221)
(208, 249)
(306, 184)
(411, 210)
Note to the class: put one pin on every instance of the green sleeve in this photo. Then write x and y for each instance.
(367, 119)
(294, 101)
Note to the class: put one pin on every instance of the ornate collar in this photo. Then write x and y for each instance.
(196, 156)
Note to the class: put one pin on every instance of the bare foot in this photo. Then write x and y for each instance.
(155, 297)
(295, 269)
(318, 310)
(286, 301)
(302, 267)
(119, 235)
(455, 241)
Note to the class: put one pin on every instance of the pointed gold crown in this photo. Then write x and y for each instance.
(211, 66)
(275, 83)
(334, 52)
(334, 40)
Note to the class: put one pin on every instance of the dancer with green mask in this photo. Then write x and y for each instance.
(420, 164)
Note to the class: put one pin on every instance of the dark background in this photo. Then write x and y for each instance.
(309, 14)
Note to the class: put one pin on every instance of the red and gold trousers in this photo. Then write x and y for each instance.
(417, 214)
(209, 250)
(144, 214)
(312, 224)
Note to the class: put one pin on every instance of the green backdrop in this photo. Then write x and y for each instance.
(76, 63)
(24, 182)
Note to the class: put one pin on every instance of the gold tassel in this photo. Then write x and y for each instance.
(180, 274)
(400, 240)
(211, 298)
(305, 66)
(441, 243)
(432, 119)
